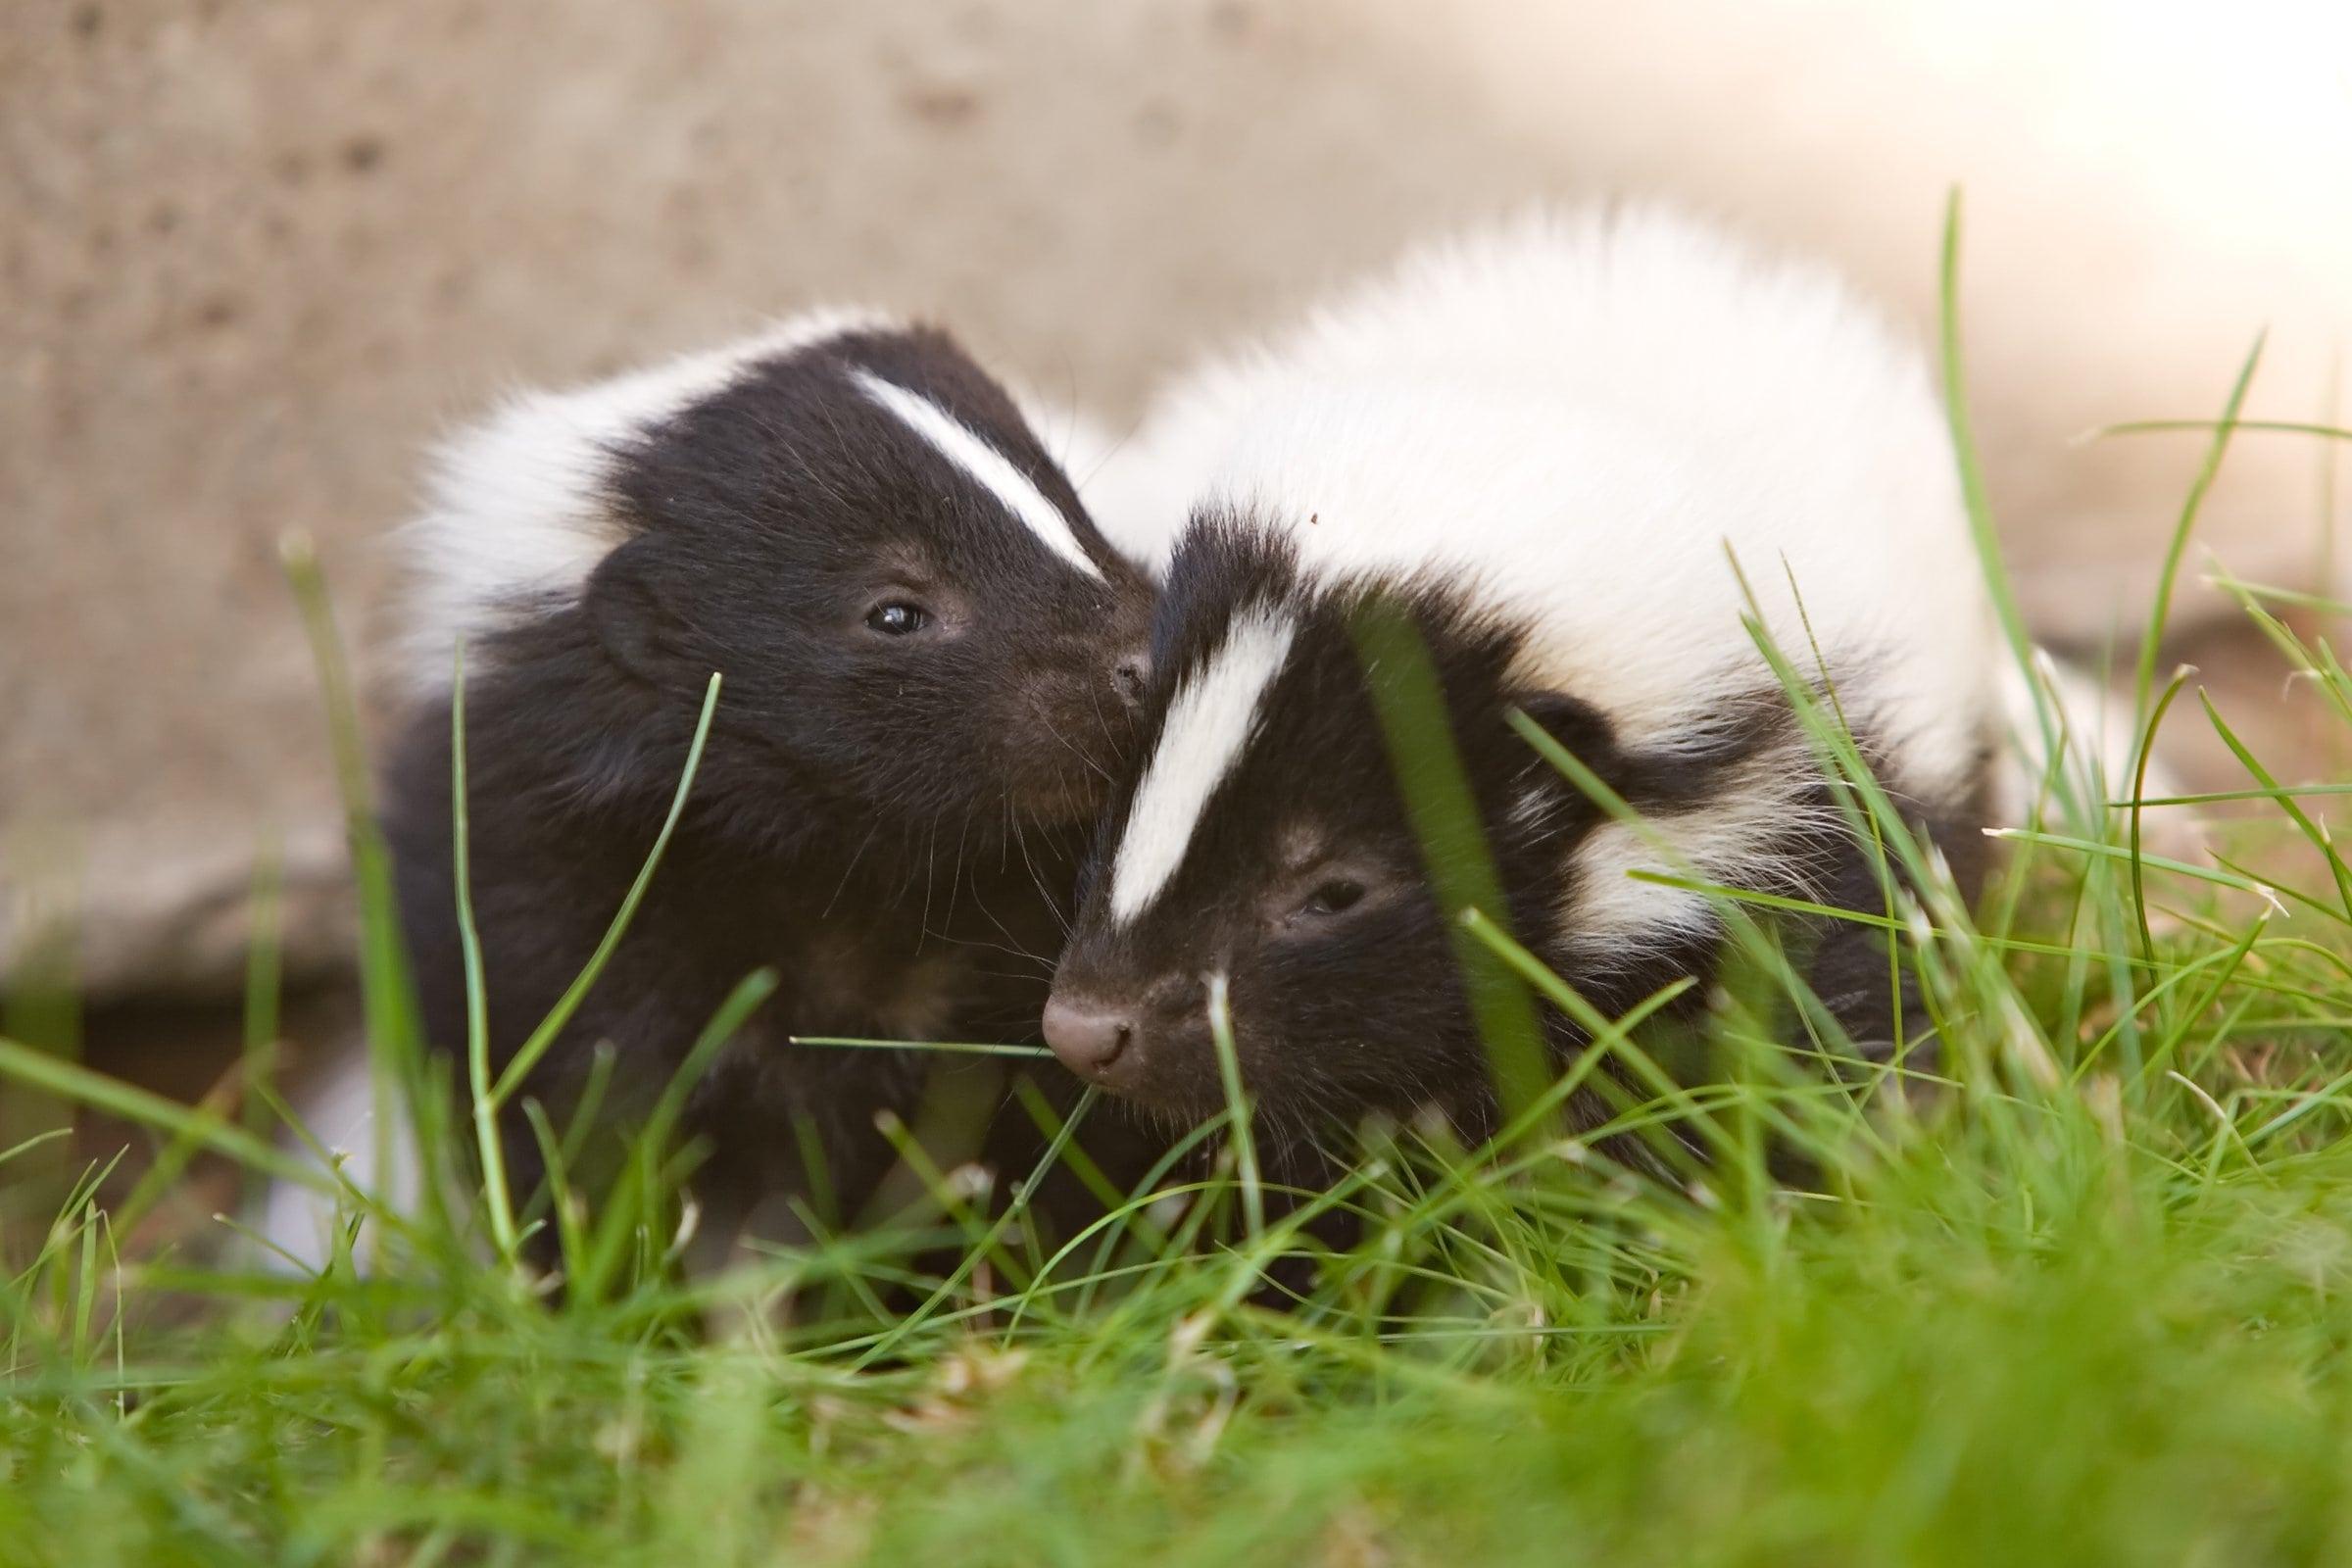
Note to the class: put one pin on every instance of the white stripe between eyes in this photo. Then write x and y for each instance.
(955, 441)
(1210, 726)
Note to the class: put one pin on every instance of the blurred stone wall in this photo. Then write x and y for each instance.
(254, 254)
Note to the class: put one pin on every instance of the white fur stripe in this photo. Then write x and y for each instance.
(953, 440)
(517, 513)
(1210, 726)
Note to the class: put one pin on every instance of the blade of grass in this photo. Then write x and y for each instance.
(2143, 684)
(2330, 432)
(73, 1082)
(263, 981)
(1238, 1111)
(949, 1048)
(536, 1046)
(387, 995)
(1410, 706)
(2315, 831)
(1971, 469)
(2144, 756)
(2115, 852)
(489, 1149)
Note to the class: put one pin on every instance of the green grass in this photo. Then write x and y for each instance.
(2088, 1299)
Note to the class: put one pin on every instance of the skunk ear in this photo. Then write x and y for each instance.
(627, 612)
(1584, 733)
(1582, 730)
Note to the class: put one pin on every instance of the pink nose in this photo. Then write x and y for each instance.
(1089, 1038)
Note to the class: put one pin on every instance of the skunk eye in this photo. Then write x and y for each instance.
(897, 618)
(1334, 897)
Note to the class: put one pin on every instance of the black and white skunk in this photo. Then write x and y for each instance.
(930, 664)
(1540, 443)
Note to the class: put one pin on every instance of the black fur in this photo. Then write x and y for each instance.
(888, 821)
(1338, 1012)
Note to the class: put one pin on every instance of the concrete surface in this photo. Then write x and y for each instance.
(254, 254)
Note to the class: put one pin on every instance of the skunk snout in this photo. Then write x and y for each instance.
(1091, 1038)
(1144, 1041)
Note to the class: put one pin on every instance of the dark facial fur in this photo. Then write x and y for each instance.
(920, 700)
(1304, 883)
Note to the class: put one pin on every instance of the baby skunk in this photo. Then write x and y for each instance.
(930, 662)
(1539, 444)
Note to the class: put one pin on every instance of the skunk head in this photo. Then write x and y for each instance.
(1267, 841)
(916, 621)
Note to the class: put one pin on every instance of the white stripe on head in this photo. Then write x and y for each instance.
(957, 442)
(1209, 724)
(518, 512)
